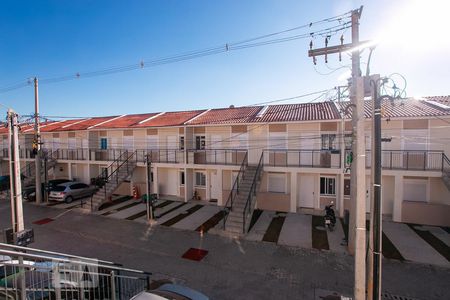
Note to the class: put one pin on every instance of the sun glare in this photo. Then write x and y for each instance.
(418, 26)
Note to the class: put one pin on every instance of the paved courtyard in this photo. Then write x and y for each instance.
(232, 269)
(404, 242)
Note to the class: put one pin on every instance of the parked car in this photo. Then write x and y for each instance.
(5, 183)
(70, 191)
(29, 192)
(171, 291)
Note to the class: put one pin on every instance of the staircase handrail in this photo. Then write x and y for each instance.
(252, 192)
(232, 196)
(445, 164)
(104, 176)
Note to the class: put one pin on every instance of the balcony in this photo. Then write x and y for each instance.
(301, 158)
(169, 156)
(413, 160)
(216, 156)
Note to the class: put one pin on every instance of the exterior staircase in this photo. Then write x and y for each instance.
(29, 170)
(120, 170)
(237, 220)
(446, 171)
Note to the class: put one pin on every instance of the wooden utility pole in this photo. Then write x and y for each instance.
(37, 140)
(357, 228)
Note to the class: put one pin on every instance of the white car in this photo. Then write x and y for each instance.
(69, 191)
(172, 292)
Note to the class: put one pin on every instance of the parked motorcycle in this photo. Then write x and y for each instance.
(330, 217)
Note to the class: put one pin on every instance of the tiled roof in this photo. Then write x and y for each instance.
(407, 108)
(227, 116)
(440, 99)
(57, 125)
(170, 119)
(85, 124)
(299, 112)
(126, 121)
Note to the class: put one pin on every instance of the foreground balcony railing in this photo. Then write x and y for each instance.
(302, 158)
(216, 156)
(408, 160)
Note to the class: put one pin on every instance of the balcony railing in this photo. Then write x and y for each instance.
(216, 156)
(407, 160)
(302, 158)
(71, 154)
(171, 156)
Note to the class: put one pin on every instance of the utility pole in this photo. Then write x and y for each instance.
(15, 176)
(374, 272)
(357, 227)
(15, 181)
(148, 180)
(37, 140)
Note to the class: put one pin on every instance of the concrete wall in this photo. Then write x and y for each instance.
(425, 213)
(273, 201)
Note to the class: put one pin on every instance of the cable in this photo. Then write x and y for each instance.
(196, 54)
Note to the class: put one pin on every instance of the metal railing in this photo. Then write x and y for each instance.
(26, 153)
(252, 193)
(234, 190)
(408, 160)
(125, 162)
(106, 154)
(445, 164)
(71, 154)
(27, 273)
(302, 158)
(174, 156)
(216, 156)
(4, 153)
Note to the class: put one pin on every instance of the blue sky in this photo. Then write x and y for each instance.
(53, 38)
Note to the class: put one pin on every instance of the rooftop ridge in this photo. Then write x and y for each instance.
(106, 121)
(152, 117)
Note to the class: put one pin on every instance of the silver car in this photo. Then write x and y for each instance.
(70, 191)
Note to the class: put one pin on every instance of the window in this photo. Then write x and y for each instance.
(327, 186)
(182, 178)
(103, 143)
(181, 143)
(200, 179)
(200, 142)
(346, 187)
(328, 141)
(277, 183)
(151, 176)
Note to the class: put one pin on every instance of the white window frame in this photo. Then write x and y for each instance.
(271, 177)
(202, 137)
(181, 145)
(327, 192)
(203, 176)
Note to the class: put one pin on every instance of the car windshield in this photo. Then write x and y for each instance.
(59, 188)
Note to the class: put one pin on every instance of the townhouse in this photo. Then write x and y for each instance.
(303, 151)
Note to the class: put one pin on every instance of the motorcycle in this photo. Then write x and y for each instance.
(330, 217)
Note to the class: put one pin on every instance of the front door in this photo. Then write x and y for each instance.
(306, 191)
(215, 186)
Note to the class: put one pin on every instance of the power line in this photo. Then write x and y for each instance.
(243, 44)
